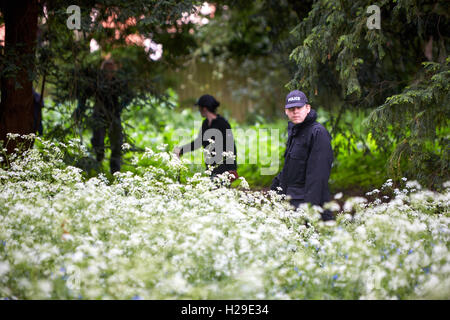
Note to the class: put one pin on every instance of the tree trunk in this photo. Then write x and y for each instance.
(16, 107)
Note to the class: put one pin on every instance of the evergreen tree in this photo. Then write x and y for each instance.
(401, 68)
(39, 43)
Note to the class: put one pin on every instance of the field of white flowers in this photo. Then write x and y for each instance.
(146, 236)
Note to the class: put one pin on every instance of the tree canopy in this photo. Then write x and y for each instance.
(40, 45)
(399, 71)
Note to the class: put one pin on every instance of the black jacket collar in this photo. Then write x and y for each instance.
(218, 118)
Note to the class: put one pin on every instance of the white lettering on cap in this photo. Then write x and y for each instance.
(294, 99)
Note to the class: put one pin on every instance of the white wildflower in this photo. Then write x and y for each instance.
(4, 268)
(338, 195)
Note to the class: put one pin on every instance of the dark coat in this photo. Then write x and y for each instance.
(221, 124)
(307, 164)
(37, 113)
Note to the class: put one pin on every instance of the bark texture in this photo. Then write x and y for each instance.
(16, 107)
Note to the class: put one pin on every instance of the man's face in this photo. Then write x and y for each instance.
(297, 114)
(109, 70)
(202, 111)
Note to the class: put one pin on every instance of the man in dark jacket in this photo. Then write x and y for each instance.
(106, 116)
(308, 156)
(111, 95)
(217, 128)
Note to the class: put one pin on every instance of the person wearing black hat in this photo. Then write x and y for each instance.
(308, 156)
(217, 128)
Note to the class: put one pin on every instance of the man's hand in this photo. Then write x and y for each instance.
(177, 151)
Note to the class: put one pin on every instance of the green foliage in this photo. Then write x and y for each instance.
(360, 164)
(341, 58)
(69, 68)
(246, 46)
(358, 170)
(421, 114)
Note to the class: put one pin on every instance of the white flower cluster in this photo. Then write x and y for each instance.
(147, 236)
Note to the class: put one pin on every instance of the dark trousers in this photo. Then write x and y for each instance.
(296, 202)
(112, 124)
